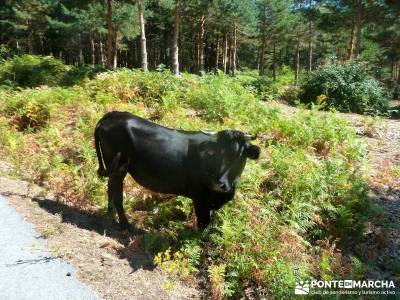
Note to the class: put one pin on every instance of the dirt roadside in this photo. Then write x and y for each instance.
(109, 261)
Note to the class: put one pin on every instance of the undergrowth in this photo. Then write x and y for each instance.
(297, 212)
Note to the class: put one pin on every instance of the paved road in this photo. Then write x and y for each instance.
(27, 270)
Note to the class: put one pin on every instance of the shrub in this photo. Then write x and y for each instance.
(269, 89)
(33, 71)
(348, 87)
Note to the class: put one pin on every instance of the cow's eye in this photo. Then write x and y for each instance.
(210, 152)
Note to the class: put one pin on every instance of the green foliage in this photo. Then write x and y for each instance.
(306, 187)
(267, 88)
(35, 71)
(5, 53)
(32, 71)
(348, 87)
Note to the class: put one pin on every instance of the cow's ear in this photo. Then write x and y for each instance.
(253, 151)
(208, 148)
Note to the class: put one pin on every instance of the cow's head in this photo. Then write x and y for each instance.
(223, 159)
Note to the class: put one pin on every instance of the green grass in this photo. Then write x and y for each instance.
(296, 208)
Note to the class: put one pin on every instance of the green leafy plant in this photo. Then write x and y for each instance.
(347, 87)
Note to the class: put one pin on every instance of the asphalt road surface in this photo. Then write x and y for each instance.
(27, 269)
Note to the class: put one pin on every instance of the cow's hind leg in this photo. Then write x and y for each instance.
(115, 193)
(112, 187)
(115, 189)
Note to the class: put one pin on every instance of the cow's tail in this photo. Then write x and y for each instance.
(101, 171)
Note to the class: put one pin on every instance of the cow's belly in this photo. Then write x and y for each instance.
(159, 179)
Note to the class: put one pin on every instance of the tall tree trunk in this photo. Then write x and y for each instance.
(297, 63)
(350, 50)
(81, 60)
(225, 51)
(92, 48)
(392, 77)
(30, 38)
(143, 48)
(110, 35)
(229, 70)
(262, 55)
(234, 48)
(274, 61)
(175, 41)
(310, 48)
(197, 56)
(102, 59)
(398, 71)
(357, 49)
(115, 49)
(217, 55)
(201, 45)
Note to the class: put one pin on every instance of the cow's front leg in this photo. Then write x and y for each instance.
(115, 194)
(202, 211)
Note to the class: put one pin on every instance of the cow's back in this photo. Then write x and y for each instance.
(161, 159)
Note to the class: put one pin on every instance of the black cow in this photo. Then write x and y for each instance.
(202, 166)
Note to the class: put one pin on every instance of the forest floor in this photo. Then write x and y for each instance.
(115, 266)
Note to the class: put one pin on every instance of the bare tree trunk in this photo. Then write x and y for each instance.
(274, 61)
(262, 55)
(398, 72)
(30, 38)
(102, 60)
(217, 55)
(350, 50)
(115, 49)
(197, 56)
(310, 48)
(80, 60)
(229, 70)
(358, 38)
(110, 35)
(201, 44)
(392, 76)
(225, 51)
(234, 49)
(175, 41)
(92, 49)
(297, 63)
(143, 48)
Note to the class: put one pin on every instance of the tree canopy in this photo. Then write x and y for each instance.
(204, 35)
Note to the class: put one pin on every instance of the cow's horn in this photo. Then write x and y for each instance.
(250, 136)
(208, 132)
